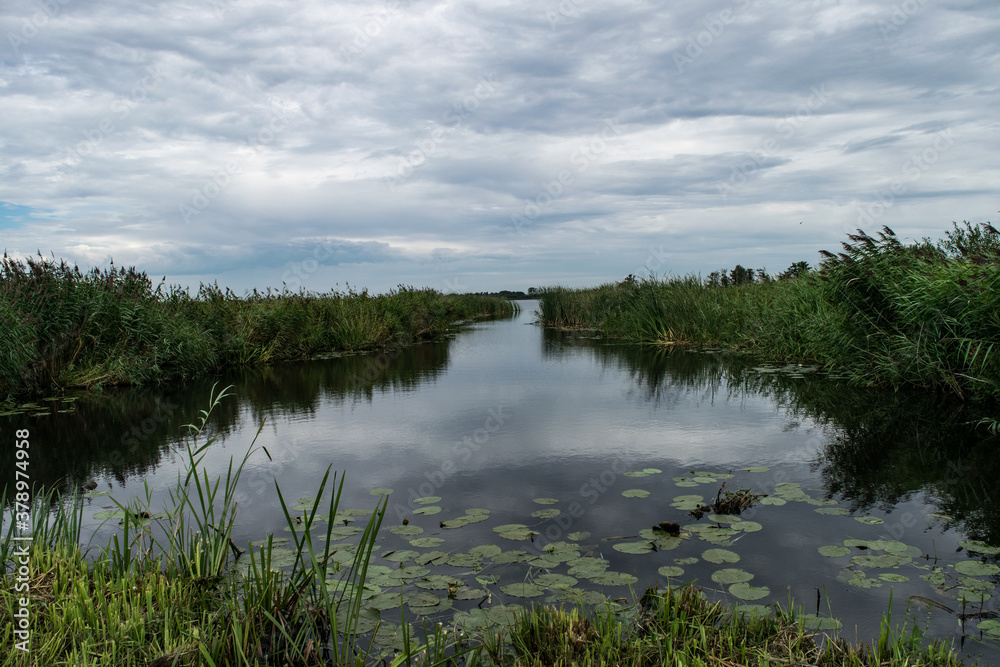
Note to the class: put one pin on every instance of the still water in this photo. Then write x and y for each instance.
(509, 417)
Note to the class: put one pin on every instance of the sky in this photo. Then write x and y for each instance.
(479, 146)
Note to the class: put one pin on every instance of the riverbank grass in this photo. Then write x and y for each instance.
(882, 312)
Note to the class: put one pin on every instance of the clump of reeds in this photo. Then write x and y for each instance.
(887, 313)
(60, 326)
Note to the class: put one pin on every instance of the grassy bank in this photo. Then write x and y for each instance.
(61, 327)
(886, 313)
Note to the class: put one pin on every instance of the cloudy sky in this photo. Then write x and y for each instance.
(485, 145)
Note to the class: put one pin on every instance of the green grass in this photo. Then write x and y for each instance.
(61, 327)
(888, 314)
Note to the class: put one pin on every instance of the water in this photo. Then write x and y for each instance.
(505, 412)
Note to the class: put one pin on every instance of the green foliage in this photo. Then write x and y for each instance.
(63, 327)
(889, 314)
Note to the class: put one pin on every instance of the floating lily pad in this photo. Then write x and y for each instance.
(973, 597)
(485, 551)
(721, 556)
(470, 594)
(757, 469)
(833, 511)
(425, 542)
(428, 510)
(457, 522)
(976, 584)
(814, 622)
(381, 491)
(523, 590)
(771, 500)
(870, 520)
(401, 555)
(614, 579)
(432, 557)
(833, 551)
(437, 582)
(731, 575)
(427, 500)
(893, 577)
(96, 494)
(110, 514)
(579, 535)
(635, 473)
(652, 471)
(980, 547)
(747, 526)
(635, 493)
(406, 530)
(552, 580)
(976, 568)
(633, 547)
(546, 514)
(880, 560)
(671, 571)
(990, 627)
(545, 501)
(409, 572)
(745, 591)
(690, 560)
(511, 557)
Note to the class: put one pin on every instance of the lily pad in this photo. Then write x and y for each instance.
(870, 520)
(721, 556)
(406, 530)
(546, 501)
(771, 500)
(546, 514)
(485, 551)
(893, 577)
(425, 542)
(745, 591)
(757, 469)
(980, 547)
(832, 511)
(427, 500)
(833, 551)
(381, 491)
(635, 493)
(671, 571)
(523, 590)
(428, 510)
(633, 547)
(579, 535)
(976, 568)
(731, 575)
(614, 579)
(814, 622)
(552, 580)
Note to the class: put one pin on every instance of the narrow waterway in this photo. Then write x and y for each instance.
(585, 443)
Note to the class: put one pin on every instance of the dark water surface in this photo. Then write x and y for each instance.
(505, 412)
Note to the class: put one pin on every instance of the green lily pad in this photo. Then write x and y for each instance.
(771, 500)
(745, 591)
(428, 510)
(814, 622)
(833, 551)
(614, 579)
(432, 557)
(485, 551)
(690, 560)
(437, 582)
(731, 575)
(427, 500)
(721, 556)
(381, 491)
(990, 627)
(747, 526)
(980, 547)
(652, 471)
(579, 535)
(893, 577)
(110, 514)
(870, 520)
(635, 493)
(470, 594)
(757, 469)
(426, 542)
(406, 530)
(457, 522)
(671, 571)
(523, 590)
(545, 501)
(976, 568)
(546, 514)
(635, 473)
(511, 557)
(633, 547)
(401, 555)
(553, 580)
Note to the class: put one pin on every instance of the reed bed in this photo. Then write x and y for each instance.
(61, 327)
(885, 313)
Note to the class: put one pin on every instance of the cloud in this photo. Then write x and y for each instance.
(495, 146)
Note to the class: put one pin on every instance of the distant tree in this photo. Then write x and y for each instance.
(741, 276)
(796, 270)
(533, 291)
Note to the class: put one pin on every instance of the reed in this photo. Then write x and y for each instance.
(63, 327)
(888, 314)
